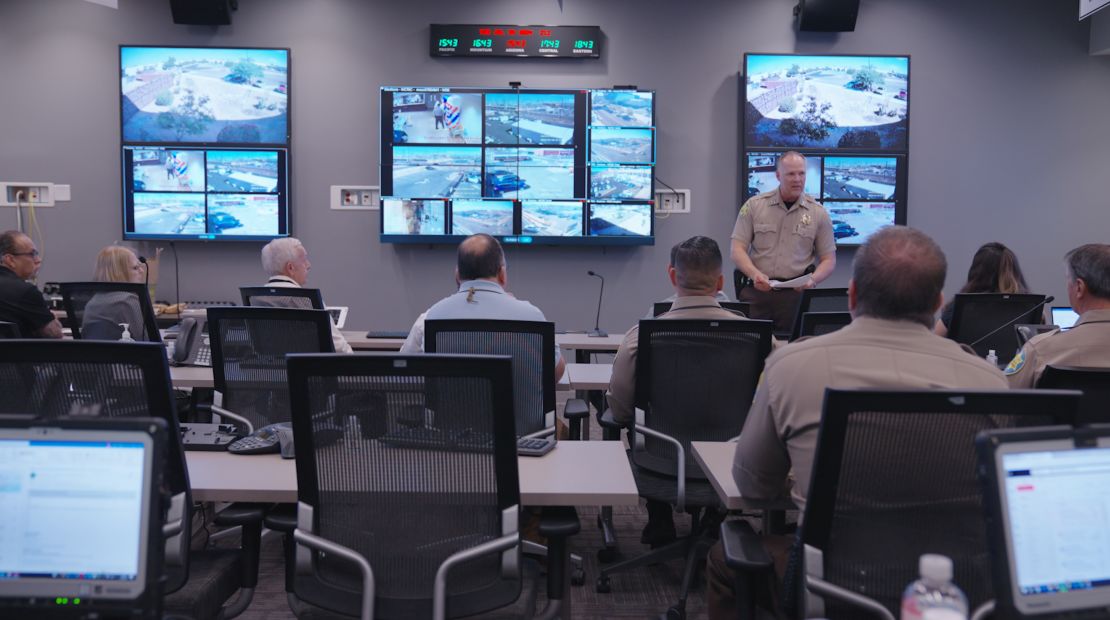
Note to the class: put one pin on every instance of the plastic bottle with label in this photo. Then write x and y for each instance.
(126, 335)
(933, 596)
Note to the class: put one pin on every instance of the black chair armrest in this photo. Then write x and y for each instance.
(576, 409)
(557, 524)
(241, 513)
(282, 518)
(607, 421)
(742, 547)
(249, 516)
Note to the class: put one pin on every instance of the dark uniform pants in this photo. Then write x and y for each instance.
(776, 305)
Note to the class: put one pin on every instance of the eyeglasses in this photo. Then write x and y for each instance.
(33, 254)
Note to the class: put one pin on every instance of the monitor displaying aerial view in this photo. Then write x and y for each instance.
(513, 118)
(243, 214)
(414, 217)
(846, 102)
(204, 95)
(614, 182)
(761, 174)
(437, 172)
(551, 218)
(854, 222)
(159, 213)
(622, 145)
(529, 173)
(622, 108)
(493, 217)
(620, 219)
(860, 178)
(242, 171)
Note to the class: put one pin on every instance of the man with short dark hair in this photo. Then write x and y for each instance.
(20, 301)
(894, 294)
(1087, 343)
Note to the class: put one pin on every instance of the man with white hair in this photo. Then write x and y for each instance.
(286, 260)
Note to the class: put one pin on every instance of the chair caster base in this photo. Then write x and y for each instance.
(602, 586)
(674, 613)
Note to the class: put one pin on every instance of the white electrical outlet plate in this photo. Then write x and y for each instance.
(355, 197)
(667, 201)
(39, 194)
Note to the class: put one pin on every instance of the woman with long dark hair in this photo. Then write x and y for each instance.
(994, 269)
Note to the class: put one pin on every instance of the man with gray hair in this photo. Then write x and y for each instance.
(894, 294)
(286, 261)
(1087, 343)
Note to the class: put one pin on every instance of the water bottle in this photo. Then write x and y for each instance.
(992, 357)
(934, 596)
(126, 335)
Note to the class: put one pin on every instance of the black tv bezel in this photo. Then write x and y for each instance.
(285, 193)
(582, 170)
(902, 175)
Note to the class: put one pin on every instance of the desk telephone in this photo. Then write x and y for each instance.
(268, 439)
(192, 347)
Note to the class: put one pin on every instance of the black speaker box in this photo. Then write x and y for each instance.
(202, 12)
(827, 15)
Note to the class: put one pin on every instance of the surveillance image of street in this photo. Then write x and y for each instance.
(529, 118)
(854, 222)
(243, 214)
(620, 108)
(620, 219)
(529, 173)
(437, 118)
(551, 218)
(171, 170)
(204, 95)
(827, 101)
(169, 214)
(620, 182)
(242, 171)
(437, 171)
(761, 174)
(621, 145)
(861, 178)
(493, 217)
(414, 217)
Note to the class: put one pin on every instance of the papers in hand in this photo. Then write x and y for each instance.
(795, 283)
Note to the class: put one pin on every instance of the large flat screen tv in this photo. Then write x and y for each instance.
(849, 115)
(553, 167)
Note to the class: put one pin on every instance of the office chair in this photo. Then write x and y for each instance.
(1094, 383)
(974, 315)
(818, 300)
(742, 307)
(57, 378)
(695, 380)
(821, 323)
(282, 297)
(1025, 333)
(94, 310)
(403, 531)
(894, 476)
(8, 330)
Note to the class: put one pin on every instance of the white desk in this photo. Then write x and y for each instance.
(715, 458)
(577, 342)
(575, 473)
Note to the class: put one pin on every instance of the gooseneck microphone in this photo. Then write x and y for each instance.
(146, 271)
(1046, 300)
(598, 332)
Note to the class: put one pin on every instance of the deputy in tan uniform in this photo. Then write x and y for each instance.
(1087, 343)
(777, 236)
(894, 294)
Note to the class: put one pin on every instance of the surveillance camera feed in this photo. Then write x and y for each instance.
(517, 164)
(860, 178)
(198, 95)
(841, 102)
(761, 174)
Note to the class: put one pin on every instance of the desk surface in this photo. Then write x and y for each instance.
(359, 342)
(566, 476)
(715, 458)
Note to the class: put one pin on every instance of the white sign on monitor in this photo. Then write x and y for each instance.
(1088, 7)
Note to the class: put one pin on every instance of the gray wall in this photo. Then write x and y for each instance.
(1009, 139)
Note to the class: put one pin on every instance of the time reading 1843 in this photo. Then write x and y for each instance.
(469, 40)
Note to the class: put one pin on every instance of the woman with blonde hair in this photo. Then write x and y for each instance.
(994, 269)
(105, 312)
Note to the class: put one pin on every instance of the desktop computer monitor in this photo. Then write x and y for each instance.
(1064, 317)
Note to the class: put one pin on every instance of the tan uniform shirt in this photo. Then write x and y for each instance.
(780, 433)
(783, 243)
(1087, 344)
(622, 386)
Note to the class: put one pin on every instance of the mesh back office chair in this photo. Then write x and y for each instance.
(94, 310)
(895, 477)
(1025, 333)
(407, 531)
(974, 315)
(742, 307)
(56, 378)
(8, 330)
(282, 297)
(695, 380)
(1094, 405)
(821, 323)
(818, 300)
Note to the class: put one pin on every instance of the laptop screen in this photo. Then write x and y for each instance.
(1064, 317)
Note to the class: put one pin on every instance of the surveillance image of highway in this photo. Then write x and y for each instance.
(414, 217)
(866, 178)
(173, 170)
(620, 182)
(243, 214)
(437, 171)
(761, 174)
(551, 218)
(242, 171)
(621, 145)
(529, 119)
(437, 118)
(493, 217)
(169, 214)
(854, 222)
(529, 173)
(620, 108)
(620, 219)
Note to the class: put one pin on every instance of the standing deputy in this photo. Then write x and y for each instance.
(777, 236)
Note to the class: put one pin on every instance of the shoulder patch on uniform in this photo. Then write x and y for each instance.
(1015, 364)
(744, 210)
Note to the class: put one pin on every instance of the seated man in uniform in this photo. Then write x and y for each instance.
(1087, 343)
(695, 274)
(894, 294)
(20, 301)
(286, 261)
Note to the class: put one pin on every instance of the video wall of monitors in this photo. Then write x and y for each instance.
(204, 143)
(555, 167)
(849, 115)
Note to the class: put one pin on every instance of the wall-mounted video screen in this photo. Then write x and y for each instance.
(527, 166)
(177, 193)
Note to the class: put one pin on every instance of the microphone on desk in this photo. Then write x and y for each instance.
(1046, 300)
(146, 271)
(598, 332)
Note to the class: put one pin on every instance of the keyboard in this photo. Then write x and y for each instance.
(385, 333)
(424, 438)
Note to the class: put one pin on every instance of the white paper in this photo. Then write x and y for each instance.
(795, 283)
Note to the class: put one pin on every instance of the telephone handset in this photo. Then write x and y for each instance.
(191, 348)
